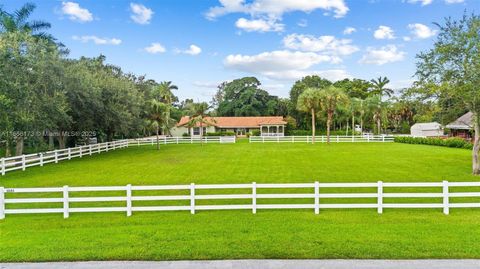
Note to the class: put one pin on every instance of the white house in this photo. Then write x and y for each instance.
(268, 126)
(427, 129)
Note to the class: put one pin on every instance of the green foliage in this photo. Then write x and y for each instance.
(449, 142)
(220, 134)
(256, 133)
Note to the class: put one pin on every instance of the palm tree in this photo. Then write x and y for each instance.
(377, 108)
(163, 92)
(309, 101)
(198, 115)
(158, 118)
(378, 86)
(330, 99)
(17, 22)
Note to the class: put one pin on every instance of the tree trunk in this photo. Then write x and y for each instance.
(329, 122)
(379, 126)
(347, 125)
(476, 146)
(19, 145)
(158, 142)
(61, 140)
(313, 126)
(8, 152)
(353, 124)
(51, 144)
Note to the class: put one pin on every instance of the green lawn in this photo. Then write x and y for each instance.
(340, 233)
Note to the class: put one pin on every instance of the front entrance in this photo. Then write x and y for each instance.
(240, 132)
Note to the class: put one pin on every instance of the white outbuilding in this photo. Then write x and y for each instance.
(427, 129)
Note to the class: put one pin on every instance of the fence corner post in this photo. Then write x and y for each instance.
(192, 198)
(2, 202)
(3, 166)
(317, 197)
(446, 206)
(380, 197)
(66, 213)
(129, 200)
(254, 197)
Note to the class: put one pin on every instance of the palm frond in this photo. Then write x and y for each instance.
(24, 12)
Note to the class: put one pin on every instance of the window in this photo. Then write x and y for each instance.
(196, 130)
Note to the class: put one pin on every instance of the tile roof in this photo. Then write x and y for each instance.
(233, 122)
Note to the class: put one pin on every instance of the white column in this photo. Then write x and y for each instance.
(2, 202)
(254, 197)
(192, 198)
(446, 207)
(380, 197)
(65, 202)
(317, 197)
(129, 200)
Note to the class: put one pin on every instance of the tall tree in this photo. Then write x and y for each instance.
(158, 117)
(309, 102)
(198, 116)
(330, 99)
(379, 87)
(452, 68)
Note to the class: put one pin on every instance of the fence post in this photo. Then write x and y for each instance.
(2, 202)
(307, 139)
(81, 150)
(98, 148)
(3, 166)
(368, 138)
(380, 197)
(65, 202)
(191, 139)
(69, 153)
(383, 138)
(164, 140)
(263, 139)
(338, 139)
(90, 149)
(317, 197)
(353, 137)
(254, 197)
(23, 163)
(114, 143)
(107, 146)
(41, 159)
(446, 209)
(293, 139)
(192, 198)
(129, 200)
(138, 142)
(56, 156)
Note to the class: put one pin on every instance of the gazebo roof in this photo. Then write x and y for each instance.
(465, 122)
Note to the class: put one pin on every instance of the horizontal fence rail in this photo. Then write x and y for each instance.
(322, 139)
(255, 196)
(39, 159)
(164, 140)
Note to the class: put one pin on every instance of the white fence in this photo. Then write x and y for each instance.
(321, 139)
(39, 159)
(316, 193)
(164, 140)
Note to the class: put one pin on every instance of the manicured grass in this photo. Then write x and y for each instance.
(398, 233)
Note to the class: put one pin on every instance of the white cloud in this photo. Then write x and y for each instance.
(207, 84)
(383, 55)
(384, 32)
(302, 23)
(276, 8)
(155, 48)
(141, 14)
(281, 64)
(259, 25)
(327, 45)
(421, 31)
(349, 30)
(423, 2)
(407, 38)
(454, 1)
(97, 40)
(75, 12)
(192, 50)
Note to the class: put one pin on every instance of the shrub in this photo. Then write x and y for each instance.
(185, 135)
(220, 134)
(318, 132)
(256, 132)
(449, 142)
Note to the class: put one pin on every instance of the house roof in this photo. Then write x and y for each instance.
(427, 126)
(235, 122)
(464, 122)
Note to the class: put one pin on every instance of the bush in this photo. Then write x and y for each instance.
(318, 132)
(185, 135)
(220, 134)
(256, 133)
(449, 142)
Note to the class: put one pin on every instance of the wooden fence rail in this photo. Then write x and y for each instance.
(164, 140)
(318, 194)
(321, 139)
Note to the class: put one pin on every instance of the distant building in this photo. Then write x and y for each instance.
(427, 129)
(462, 127)
(267, 126)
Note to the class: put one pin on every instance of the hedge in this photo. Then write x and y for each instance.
(318, 132)
(449, 142)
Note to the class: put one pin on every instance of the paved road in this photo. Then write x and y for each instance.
(260, 264)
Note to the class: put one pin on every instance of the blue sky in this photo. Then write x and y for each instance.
(200, 43)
